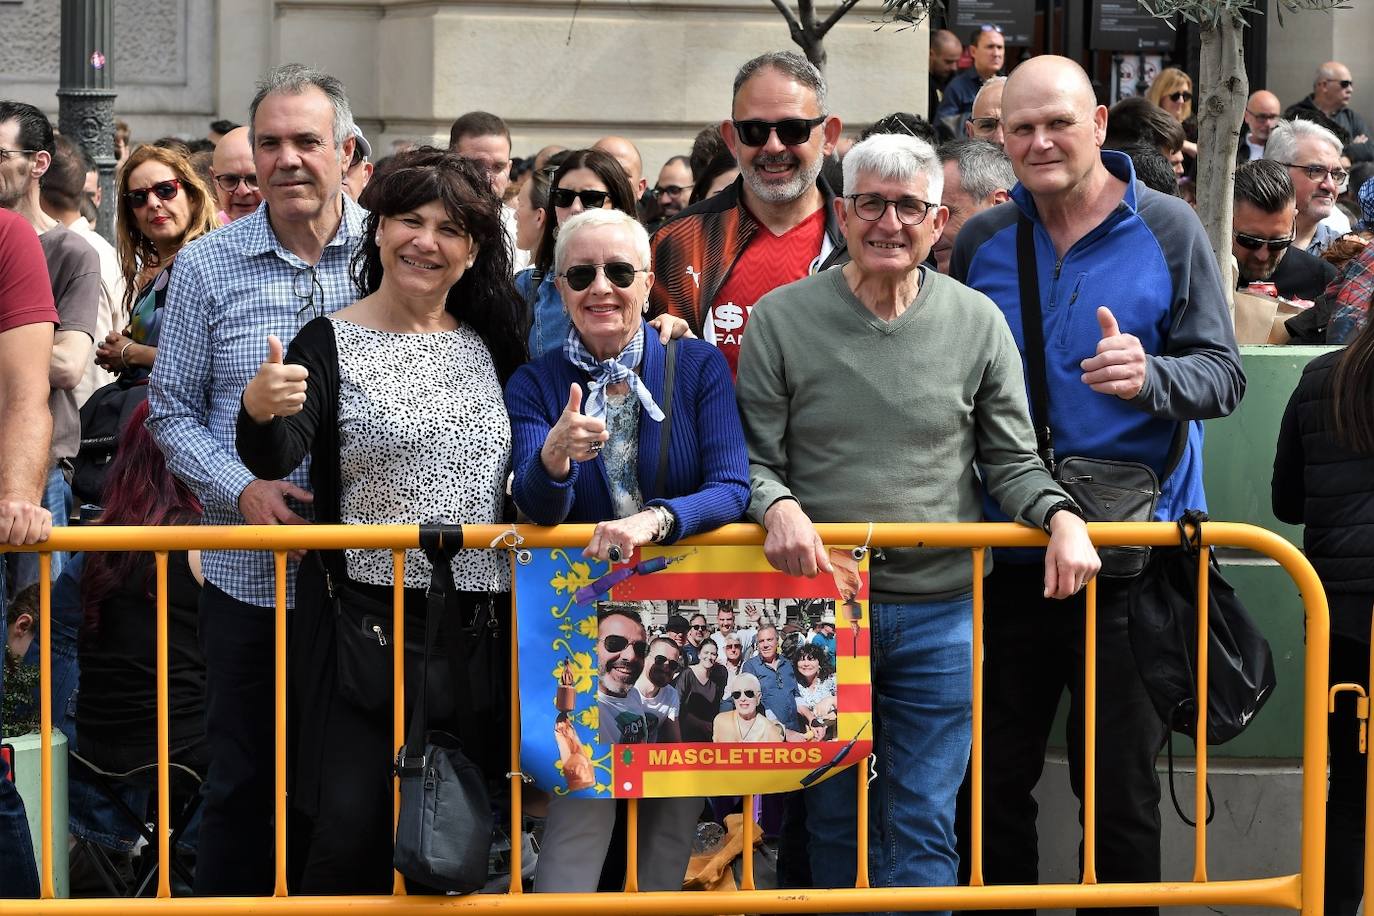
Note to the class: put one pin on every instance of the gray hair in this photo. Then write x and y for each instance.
(1286, 135)
(594, 219)
(983, 166)
(991, 83)
(893, 157)
(789, 63)
(293, 79)
(1265, 184)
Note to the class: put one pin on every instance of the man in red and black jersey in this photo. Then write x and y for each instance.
(774, 225)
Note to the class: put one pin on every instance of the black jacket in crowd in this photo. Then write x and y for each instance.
(1329, 490)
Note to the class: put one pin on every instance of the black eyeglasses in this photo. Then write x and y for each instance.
(616, 643)
(1317, 172)
(671, 190)
(1344, 84)
(165, 190)
(736, 694)
(1180, 96)
(7, 153)
(592, 200)
(911, 211)
(790, 131)
(985, 125)
(230, 183)
(305, 286)
(664, 661)
(620, 273)
(1255, 243)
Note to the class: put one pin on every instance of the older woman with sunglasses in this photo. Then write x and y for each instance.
(589, 421)
(1172, 90)
(162, 206)
(743, 722)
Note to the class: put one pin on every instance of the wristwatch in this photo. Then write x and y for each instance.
(1066, 505)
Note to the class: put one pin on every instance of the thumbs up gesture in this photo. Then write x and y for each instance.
(573, 438)
(278, 390)
(1119, 367)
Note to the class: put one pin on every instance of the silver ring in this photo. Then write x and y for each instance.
(595, 447)
(614, 553)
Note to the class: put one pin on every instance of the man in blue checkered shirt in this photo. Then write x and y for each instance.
(267, 273)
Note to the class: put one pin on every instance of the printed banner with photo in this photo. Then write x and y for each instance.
(618, 701)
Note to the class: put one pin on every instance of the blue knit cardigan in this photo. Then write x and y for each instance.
(708, 465)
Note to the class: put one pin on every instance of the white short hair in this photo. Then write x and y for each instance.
(894, 157)
(595, 219)
(1286, 135)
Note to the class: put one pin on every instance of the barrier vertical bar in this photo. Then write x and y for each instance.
(164, 789)
(861, 874)
(1200, 789)
(1316, 677)
(517, 781)
(279, 702)
(976, 758)
(398, 690)
(1090, 735)
(47, 889)
(747, 872)
(632, 846)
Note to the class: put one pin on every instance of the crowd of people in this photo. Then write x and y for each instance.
(790, 327)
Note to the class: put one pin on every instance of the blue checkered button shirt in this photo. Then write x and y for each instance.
(230, 290)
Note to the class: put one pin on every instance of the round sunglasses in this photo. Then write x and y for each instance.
(619, 273)
(616, 643)
(165, 190)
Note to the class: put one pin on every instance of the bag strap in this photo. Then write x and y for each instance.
(440, 543)
(665, 429)
(1033, 337)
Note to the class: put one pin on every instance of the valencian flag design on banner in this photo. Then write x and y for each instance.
(606, 708)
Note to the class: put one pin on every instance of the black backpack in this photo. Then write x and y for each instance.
(103, 418)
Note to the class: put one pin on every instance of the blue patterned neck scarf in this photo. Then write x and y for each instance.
(608, 372)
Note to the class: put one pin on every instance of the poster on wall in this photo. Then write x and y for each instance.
(1016, 19)
(613, 704)
(1123, 25)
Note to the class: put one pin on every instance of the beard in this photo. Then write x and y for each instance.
(785, 192)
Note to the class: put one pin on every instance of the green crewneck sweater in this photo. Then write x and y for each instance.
(865, 420)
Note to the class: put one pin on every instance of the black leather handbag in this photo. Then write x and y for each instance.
(443, 835)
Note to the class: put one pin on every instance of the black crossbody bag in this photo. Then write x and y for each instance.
(1107, 490)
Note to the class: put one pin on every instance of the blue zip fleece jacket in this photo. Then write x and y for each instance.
(1151, 264)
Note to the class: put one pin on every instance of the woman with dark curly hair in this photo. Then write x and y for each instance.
(815, 693)
(397, 398)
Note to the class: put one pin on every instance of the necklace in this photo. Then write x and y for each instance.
(746, 735)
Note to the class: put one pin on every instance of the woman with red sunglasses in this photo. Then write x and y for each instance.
(162, 206)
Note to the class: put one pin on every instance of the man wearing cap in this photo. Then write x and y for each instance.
(824, 634)
(677, 629)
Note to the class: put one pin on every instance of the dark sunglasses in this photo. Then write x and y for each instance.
(672, 190)
(664, 661)
(617, 643)
(1255, 243)
(230, 183)
(592, 200)
(790, 131)
(1180, 96)
(620, 274)
(743, 693)
(1344, 84)
(165, 190)
(699, 626)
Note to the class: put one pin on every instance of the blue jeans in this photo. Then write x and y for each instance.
(922, 690)
(18, 868)
(57, 499)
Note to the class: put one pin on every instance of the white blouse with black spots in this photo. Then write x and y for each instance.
(423, 437)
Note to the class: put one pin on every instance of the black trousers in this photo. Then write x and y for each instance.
(1034, 650)
(1346, 800)
(236, 841)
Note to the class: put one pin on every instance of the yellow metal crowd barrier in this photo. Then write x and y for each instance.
(1302, 891)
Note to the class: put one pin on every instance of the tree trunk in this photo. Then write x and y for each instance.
(1223, 89)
